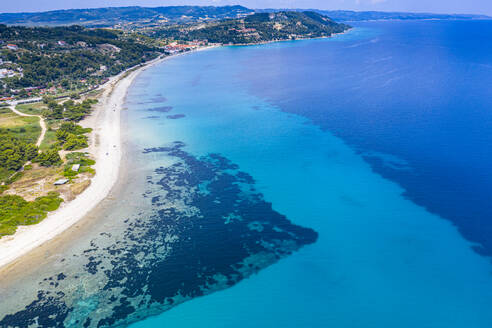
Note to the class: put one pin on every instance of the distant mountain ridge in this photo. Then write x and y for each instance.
(349, 15)
(100, 17)
(153, 16)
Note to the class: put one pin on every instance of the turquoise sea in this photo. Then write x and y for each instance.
(381, 260)
(317, 183)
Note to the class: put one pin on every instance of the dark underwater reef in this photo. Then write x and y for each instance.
(207, 229)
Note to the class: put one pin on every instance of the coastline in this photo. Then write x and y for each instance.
(106, 146)
(289, 40)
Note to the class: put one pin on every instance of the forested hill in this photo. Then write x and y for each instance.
(258, 28)
(125, 16)
(70, 56)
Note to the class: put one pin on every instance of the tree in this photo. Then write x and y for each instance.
(55, 111)
(47, 99)
(23, 93)
(65, 84)
(15, 152)
(75, 142)
(49, 157)
(31, 152)
(61, 135)
(71, 136)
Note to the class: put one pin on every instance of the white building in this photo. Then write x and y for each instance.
(6, 73)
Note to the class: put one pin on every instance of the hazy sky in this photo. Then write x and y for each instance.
(436, 6)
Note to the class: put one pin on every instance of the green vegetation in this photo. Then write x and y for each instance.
(74, 142)
(26, 129)
(262, 27)
(49, 138)
(18, 136)
(81, 159)
(71, 136)
(69, 110)
(49, 157)
(64, 56)
(137, 16)
(14, 177)
(16, 211)
(14, 153)
(31, 109)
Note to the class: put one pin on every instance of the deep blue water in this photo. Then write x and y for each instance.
(420, 91)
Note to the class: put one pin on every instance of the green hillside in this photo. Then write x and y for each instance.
(257, 28)
(66, 56)
(124, 16)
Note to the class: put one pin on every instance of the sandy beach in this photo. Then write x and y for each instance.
(106, 147)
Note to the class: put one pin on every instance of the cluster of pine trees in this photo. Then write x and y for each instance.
(69, 110)
(72, 136)
(14, 152)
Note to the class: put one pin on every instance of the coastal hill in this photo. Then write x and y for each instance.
(125, 16)
(70, 56)
(258, 28)
(135, 16)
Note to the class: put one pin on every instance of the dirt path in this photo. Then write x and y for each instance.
(42, 123)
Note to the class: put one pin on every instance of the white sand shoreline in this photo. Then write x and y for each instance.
(106, 147)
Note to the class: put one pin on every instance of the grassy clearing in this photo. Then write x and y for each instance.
(23, 129)
(32, 108)
(26, 129)
(50, 136)
(16, 211)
